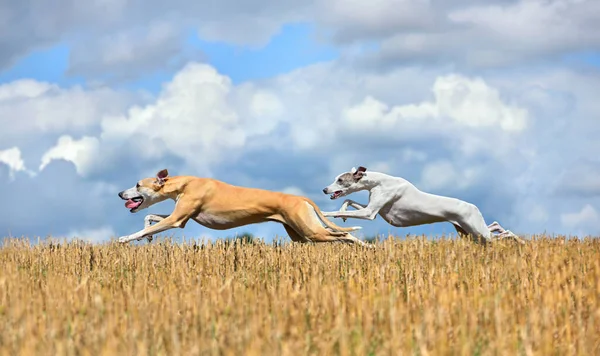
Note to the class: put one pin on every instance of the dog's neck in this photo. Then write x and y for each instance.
(370, 180)
(172, 187)
(373, 179)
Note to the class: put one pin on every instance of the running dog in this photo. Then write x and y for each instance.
(401, 204)
(220, 206)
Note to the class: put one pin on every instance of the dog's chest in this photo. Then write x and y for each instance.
(209, 219)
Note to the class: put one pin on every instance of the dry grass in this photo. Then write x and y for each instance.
(406, 297)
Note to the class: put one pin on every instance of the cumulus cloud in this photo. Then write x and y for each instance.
(200, 116)
(442, 175)
(467, 102)
(355, 20)
(131, 52)
(28, 106)
(517, 143)
(11, 157)
(147, 34)
(484, 139)
(100, 234)
(293, 190)
(79, 152)
(468, 33)
(130, 36)
(582, 219)
(203, 118)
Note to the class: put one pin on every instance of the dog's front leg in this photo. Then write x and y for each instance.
(167, 223)
(149, 219)
(352, 203)
(344, 207)
(184, 210)
(366, 214)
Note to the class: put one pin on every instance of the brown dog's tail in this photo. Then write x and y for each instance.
(328, 223)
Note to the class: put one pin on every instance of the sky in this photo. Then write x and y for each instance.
(495, 103)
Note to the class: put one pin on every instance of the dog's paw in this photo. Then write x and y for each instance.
(123, 239)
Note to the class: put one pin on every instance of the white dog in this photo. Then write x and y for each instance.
(401, 204)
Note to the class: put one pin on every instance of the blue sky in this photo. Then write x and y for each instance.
(457, 99)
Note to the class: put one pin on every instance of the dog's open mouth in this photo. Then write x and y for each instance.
(336, 194)
(134, 203)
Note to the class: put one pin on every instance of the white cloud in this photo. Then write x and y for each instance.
(355, 20)
(293, 190)
(510, 138)
(583, 218)
(95, 235)
(28, 106)
(442, 175)
(12, 158)
(30, 25)
(202, 118)
(128, 53)
(563, 24)
(193, 118)
(491, 34)
(381, 166)
(496, 32)
(410, 155)
(467, 102)
(480, 138)
(80, 152)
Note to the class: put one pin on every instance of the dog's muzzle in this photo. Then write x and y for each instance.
(325, 190)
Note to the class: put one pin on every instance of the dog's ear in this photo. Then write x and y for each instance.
(359, 173)
(162, 174)
(353, 170)
(161, 177)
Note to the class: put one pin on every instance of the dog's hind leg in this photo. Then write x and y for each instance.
(507, 234)
(294, 236)
(346, 238)
(495, 227)
(460, 230)
(306, 222)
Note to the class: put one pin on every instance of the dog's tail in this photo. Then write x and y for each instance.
(328, 223)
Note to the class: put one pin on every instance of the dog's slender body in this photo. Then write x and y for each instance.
(220, 206)
(401, 204)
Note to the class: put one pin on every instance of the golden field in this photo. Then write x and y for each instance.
(405, 297)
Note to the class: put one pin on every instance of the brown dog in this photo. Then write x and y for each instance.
(220, 206)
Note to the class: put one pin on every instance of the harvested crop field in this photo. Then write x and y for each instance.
(409, 297)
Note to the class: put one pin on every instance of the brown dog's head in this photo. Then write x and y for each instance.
(145, 193)
(346, 183)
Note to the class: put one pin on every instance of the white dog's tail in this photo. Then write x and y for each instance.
(328, 223)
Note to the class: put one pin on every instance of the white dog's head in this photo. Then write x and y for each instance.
(346, 183)
(146, 192)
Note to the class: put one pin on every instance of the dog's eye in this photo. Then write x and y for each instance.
(339, 180)
(137, 185)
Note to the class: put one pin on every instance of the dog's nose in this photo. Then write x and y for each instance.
(121, 195)
(325, 190)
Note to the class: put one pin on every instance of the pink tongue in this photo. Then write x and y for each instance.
(130, 204)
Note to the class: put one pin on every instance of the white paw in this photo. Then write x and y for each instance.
(124, 239)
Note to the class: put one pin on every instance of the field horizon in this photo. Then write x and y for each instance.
(408, 295)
